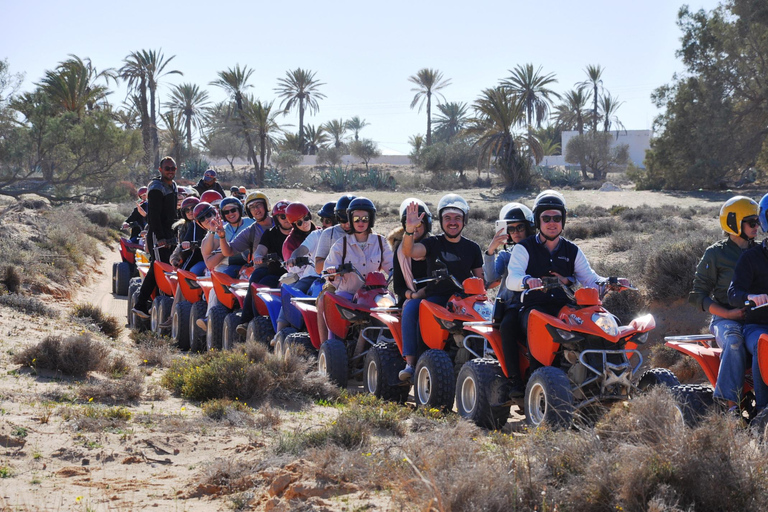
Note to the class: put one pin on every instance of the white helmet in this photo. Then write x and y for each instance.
(423, 208)
(453, 201)
(516, 212)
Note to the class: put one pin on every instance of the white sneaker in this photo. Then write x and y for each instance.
(406, 374)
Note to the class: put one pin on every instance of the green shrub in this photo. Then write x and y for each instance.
(11, 279)
(74, 355)
(107, 324)
(219, 409)
(339, 178)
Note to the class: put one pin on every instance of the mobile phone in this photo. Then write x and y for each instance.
(501, 224)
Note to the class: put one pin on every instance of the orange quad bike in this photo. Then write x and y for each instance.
(574, 361)
(125, 270)
(165, 277)
(442, 331)
(194, 290)
(224, 317)
(384, 359)
(339, 356)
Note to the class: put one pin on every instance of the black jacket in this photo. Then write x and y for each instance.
(161, 209)
(750, 277)
(202, 186)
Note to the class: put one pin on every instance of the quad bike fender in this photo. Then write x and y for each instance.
(128, 250)
(762, 356)
(143, 268)
(540, 342)
(309, 313)
(272, 302)
(190, 288)
(707, 357)
(336, 323)
(291, 313)
(206, 284)
(493, 336)
(222, 288)
(261, 308)
(162, 271)
(392, 322)
(435, 322)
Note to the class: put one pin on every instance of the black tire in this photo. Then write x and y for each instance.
(260, 330)
(180, 324)
(280, 338)
(122, 278)
(480, 391)
(161, 311)
(381, 369)
(548, 399)
(229, 336)
(196, 334)
(434, 380)
(332, 361)
(140, 324)
(657, 377)
(114, 277)
(216, 316)
(694, 401)
(295, 340)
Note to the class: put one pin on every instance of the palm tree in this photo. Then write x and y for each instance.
(192, 103)
(572, 113)
(154, 63)
(135, 73)
(532, 89)
(428, 82)
(173, 135)
(72, 85)
(299, 88)
(316, 139)
(451, 119)
(336, 128)
(595, 81)
(263, 120)
(235, 82)
(497, 112)
(608, 107)
(290, 142)
(356, 124)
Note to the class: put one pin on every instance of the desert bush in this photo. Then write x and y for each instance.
(11, 279)
(74, 355)
(107, 324)
(348, 431)
(480, 231)
(589, 211)
(230, 474)
(92, 418)
(154, 349)
(126, 389)
(626, 305)
(669, 268)
(224, 408)
(28, 305)
(339, 178)
(588, 229)
(286, 159)
(622, 241)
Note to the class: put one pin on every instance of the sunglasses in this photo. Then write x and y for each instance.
(551, 218)
(207, 215)
(360, 219)
(280, 216)
(300, 222)
(186, 210)
(167, 168)
(517, 229)
(230, 211)
(751, 222)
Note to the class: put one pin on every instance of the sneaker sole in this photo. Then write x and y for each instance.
(139, 313)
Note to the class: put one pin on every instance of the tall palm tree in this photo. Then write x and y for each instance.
(336, 128)
(155, 63)
(235, 82)
(595, 82)
(316, 139)
(356, 124)
(173, 135)
(72, 85)
(608, 107)
(572, 113)
(451, 119)
(192, 103)
(428, 82)
(533, 90)
(263, 120)
(299, 89)
(497, 112)
(135, 73)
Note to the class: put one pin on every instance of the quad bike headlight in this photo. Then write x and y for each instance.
(607, 323)
(566, 335)
(385, 301)
(483, 309)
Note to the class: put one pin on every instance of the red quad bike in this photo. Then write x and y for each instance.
(573, 361)
(346, 322)
(134, 321)
(225, 316)
(306, 334)
(124, 271)
(442, 331)
(165, 277)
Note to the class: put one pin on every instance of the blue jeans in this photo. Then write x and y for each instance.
(752, 333)
(733, 360)
(198, 268)
(410, 321)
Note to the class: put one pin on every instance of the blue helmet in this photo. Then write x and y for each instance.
(232, 201)
(327, 211)
(762, 213)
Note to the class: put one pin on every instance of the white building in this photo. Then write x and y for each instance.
(637, 140)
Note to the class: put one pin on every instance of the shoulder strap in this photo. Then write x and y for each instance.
(381, 250)
(344, 251)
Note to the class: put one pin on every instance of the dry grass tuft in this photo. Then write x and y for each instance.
(228, 474)
(74, 355)
(225, 409)
(126, 389)
(154, 349)
(107, 324)
(12, 279)
(93, 418)
(29, 305)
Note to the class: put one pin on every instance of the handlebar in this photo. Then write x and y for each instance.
(753, 306)
(440, 274)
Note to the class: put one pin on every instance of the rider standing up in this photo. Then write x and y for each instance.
(547, 254)
(208, 182)
(161, 238)
(462, 258)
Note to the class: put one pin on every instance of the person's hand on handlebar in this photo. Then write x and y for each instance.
(533, 282)
(758, 299)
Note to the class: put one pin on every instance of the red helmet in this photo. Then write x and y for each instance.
(211, 196)
(280, 207)
(202, 209)
(296, 211)
(189, 202)
(142, 191)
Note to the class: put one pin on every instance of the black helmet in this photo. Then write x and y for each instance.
(423, 208)
(326, 212)
(365, 204)
(548, 200)
(341, 207)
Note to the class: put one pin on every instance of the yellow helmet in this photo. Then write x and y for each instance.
(256, 196)
(733, 213)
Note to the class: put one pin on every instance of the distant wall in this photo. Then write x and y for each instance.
(637, 140)
(311, 160)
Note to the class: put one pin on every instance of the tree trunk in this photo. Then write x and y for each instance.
(263, 148)
(189, 132)
(247, 134)
(429, 119)
(153, 126)
(594, 112)
(146, 133)
(301, 127)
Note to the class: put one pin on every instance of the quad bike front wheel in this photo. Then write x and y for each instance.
(215, 328)
(332, 360)
(196, 334)
(481, 391)
(435, 382)
(549, 399)
(298, 341)
(180, 324)
(229, 336)
(657, 377)
(383, 363)
(260, 330)
(281, 340)
(693, 402)
(122, 278)
(161, 311)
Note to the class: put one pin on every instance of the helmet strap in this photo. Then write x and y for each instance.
(547, 238)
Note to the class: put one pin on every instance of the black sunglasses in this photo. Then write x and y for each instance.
(551, 218)
(209, 214)
(300, 222)
(751, 222)
(187, 209)
(166, 168)
(280, 216)
(230, 211)
(516, 229)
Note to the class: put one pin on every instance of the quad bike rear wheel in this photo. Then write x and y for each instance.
(114, 277)
(229, 336)
(196, 334)
(122, 278)
(161, 311)
(213, 334)
(481, 391)
(383, 363)
(332, 360)
(281, 340)
(260, 330)
(548, 399)
(435, 383)
(657, 377)
(694, 401)
(140, 324)
(296, 341)
(180, 324)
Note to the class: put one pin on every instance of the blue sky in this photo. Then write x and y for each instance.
(363, 51)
